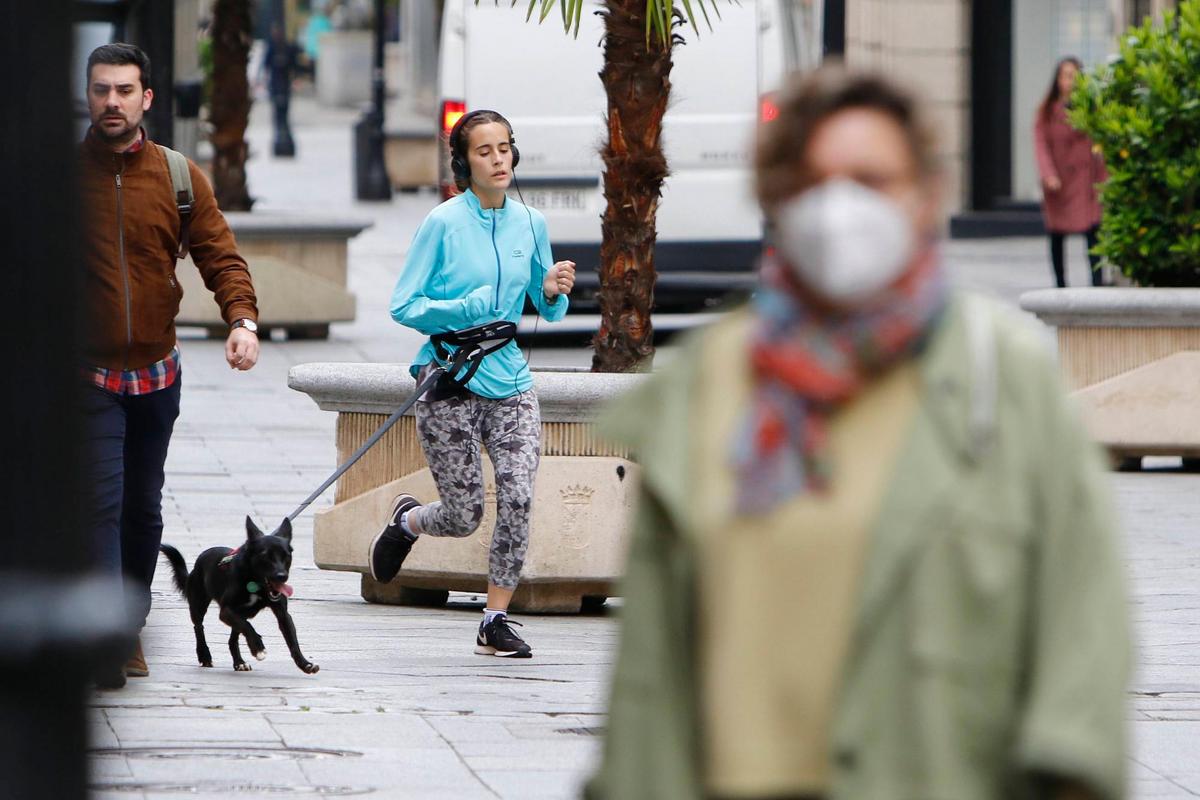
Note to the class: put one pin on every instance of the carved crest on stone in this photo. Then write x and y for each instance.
(576, 519)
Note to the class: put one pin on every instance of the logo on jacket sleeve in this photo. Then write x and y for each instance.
(518, 253)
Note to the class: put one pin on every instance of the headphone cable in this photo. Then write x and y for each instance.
(537, 317)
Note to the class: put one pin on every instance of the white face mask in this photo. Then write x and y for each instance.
(844, 241)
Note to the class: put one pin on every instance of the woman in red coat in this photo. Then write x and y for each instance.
(1069, 171)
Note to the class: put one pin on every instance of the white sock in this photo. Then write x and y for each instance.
(406, 523)
(490, 614)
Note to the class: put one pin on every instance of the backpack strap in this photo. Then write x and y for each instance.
(981, 343)
(181, 182)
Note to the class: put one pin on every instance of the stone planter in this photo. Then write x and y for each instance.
(298, 264)
(582, 498)
(411, 155)
(1131, 356)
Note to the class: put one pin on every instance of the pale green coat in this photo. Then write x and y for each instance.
(991, 641)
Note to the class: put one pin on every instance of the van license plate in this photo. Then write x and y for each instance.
(565, 199)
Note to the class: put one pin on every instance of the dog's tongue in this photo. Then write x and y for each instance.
(282, 587)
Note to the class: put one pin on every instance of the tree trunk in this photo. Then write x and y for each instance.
(230, 103)
(636, 78)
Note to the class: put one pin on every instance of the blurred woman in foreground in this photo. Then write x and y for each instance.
(873, 556)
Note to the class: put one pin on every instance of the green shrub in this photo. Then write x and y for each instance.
(204, 52)
(1143, 111)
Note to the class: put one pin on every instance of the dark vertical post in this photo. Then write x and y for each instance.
(377, 81)
(51, 624)
(833, 28)
(152, 28)
(370, 169)
(281, 63)
(991, 102)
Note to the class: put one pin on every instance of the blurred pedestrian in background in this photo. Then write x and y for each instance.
(279, 64)
(318, 25)
(873, 554)
(1070, 173)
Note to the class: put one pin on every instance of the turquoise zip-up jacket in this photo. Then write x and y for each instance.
(469, 265)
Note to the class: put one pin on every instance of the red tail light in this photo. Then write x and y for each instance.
(452, 112)
(767, 110)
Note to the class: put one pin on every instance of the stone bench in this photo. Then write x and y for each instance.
(299, 266)
(582, 497)
(1131, 355)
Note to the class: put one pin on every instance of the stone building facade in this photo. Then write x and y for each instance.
(983, 66)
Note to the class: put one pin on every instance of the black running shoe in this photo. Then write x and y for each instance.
(391, 545)
(496, 638)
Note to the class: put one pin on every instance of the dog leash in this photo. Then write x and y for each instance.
(473, 345)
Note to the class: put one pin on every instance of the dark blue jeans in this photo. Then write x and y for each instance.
(126, 448)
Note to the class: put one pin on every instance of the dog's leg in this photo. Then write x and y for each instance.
(236, 651)
(202, 651)
(241, 627)
(198, 606)
(289, 635)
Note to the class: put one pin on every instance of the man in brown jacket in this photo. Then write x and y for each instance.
(131, 363)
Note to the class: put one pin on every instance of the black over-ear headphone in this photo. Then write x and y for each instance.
(459, 166)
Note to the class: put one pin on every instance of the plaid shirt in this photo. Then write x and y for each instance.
(139, 144)
(159, 375)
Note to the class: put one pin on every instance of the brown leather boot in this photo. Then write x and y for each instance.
(136, 667)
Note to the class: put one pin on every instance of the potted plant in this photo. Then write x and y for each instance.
(1142, 110)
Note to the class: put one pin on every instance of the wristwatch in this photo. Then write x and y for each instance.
(248, 324)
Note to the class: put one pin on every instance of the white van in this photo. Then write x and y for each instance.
(546, 83)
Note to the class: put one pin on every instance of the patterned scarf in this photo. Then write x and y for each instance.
(808, 364)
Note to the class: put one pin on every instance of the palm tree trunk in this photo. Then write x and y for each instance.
(636, 78)
(230, 103)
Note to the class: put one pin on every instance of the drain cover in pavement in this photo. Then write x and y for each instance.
(226, 787)
(230, 753)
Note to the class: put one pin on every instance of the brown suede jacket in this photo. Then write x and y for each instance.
(131, 296)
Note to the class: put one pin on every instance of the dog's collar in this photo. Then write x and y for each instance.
(224, 562)
(254, 587)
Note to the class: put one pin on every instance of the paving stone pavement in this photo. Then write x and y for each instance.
(401, 707)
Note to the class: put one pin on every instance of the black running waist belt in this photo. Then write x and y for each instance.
(471, 344)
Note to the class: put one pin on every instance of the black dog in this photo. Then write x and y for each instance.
(243, 582)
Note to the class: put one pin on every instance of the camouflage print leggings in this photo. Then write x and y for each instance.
(450, 432)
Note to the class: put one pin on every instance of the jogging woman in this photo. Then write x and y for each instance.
(474, 260)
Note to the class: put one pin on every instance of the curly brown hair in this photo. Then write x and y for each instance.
(807, 100)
